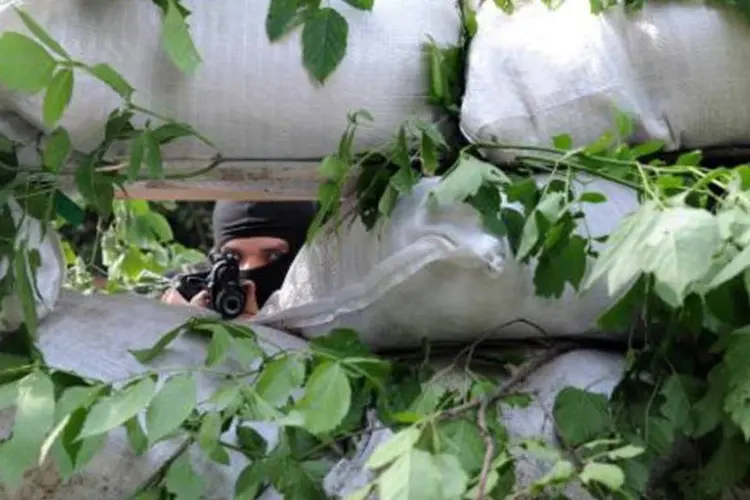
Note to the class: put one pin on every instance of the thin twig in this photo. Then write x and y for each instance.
(157, 475)
(506, 388)
(489, 452)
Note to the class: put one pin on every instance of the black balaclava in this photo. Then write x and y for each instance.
(288, 221)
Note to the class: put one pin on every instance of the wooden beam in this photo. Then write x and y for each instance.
(251, 180)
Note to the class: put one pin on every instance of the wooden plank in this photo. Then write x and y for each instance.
(238, 180)
(91, 335)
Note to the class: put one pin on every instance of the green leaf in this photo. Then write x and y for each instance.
(324, 40)
(470, 20)
(327, 398)
(487, 202)
(68, 209)
(581, 416)
(8, 395)
(158, 225)
(625, 124)
(281, 18)
(250, 481)
(253, 444)
(726, 467)
(246, 351)
(549, 210)
(677, 401)
(555, 269)
(506, 6)
(606, 474)
(226, 395)
(40, 33)
(177, 41)
(428, 154)
(404, 180)
(57, 97)
(691, 158)
(136, 437)
(329, 201)
(24, 282)
(52, 438)
(115, 410)
(735, 267)
(388, 201)
(462, 439)
(333, 168)
(209, 432)
(592, 197)
(397, 445)
(146, 355)
(465, 180)
(562, 141)
(647, 148)
(154, 493)
(112, 78)
(152, 156)
(95, 188)
(737, 401)
(361, 494)
(625, 452)
(76, 397)
(171, 406)
(35, 413)
(361, 4)
(415, 475)
(453, 478)
(680, 248)
(709, 411)
(677, 245)
(137, 149)
(57, 148)
(24, 64)
(560, 473)
(427, 402)
(218, 348)
(279, 378)
(182, 481)
(170, 131)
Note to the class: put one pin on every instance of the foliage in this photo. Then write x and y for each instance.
(680, 265)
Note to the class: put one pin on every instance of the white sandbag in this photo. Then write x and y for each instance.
(436, 274)
(252, 98)
(680, 68)
(49, 277)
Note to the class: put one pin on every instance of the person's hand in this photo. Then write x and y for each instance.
(201, 299)
(251, 304)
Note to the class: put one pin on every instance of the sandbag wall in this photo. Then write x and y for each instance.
(531, 75)
(252, 98)
(679, 68)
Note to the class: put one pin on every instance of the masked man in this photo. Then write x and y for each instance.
(265, 237)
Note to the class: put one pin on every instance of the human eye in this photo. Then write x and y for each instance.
(274, 254)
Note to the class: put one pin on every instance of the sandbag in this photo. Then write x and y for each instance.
(435, 274)
(595, 371)
(253, 99)
(679, 68)
(48, 278)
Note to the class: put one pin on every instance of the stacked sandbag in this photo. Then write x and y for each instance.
(252, 98)
(680, 68)
(435, 273)
(46, 281)
(594, 371)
